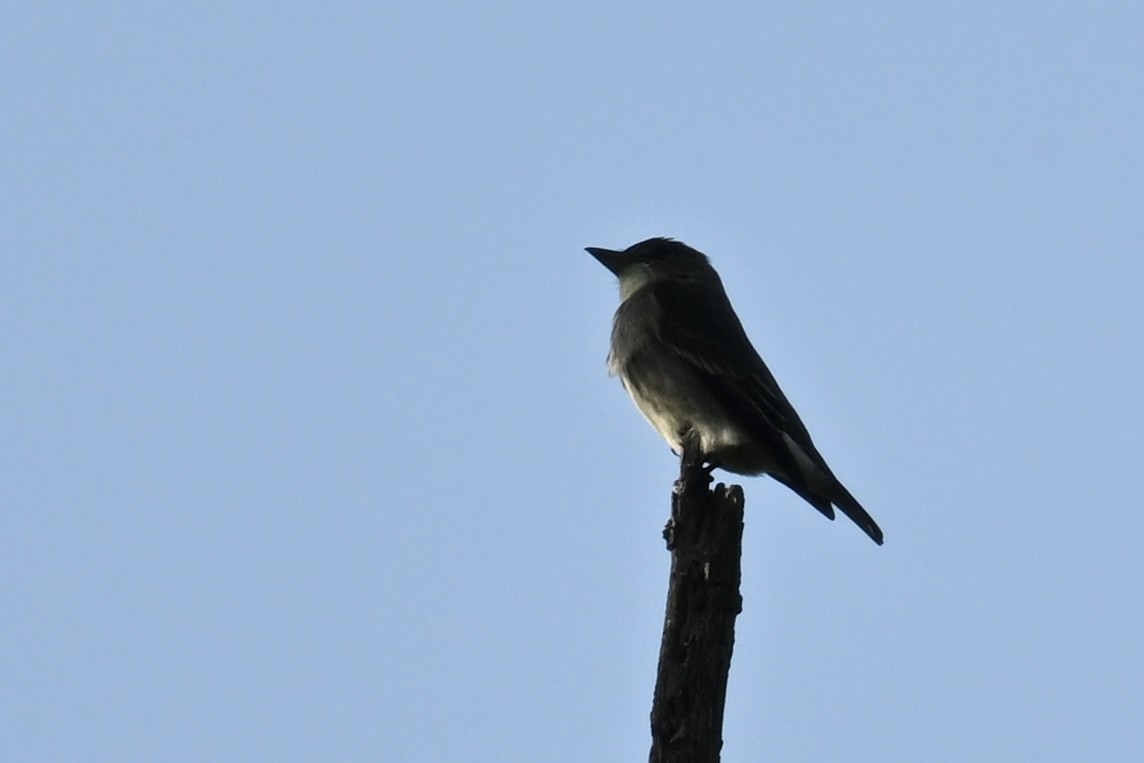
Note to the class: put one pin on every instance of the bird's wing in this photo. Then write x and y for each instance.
(697, 322)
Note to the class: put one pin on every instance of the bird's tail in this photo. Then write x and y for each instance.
(849, 506)
(839, 496)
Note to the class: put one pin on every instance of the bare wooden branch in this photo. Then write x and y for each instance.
(705, 537)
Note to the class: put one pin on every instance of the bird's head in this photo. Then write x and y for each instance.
(653, 261)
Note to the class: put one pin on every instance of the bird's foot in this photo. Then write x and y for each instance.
(691, 454)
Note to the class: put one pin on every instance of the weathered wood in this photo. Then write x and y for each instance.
(705, 536)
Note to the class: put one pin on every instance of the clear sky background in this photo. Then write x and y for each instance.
(309, 452)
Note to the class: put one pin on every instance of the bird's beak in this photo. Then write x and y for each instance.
(612, 260)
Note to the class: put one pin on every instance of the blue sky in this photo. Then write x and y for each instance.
(310, 453)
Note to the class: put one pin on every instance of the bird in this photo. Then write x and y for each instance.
(684, 358)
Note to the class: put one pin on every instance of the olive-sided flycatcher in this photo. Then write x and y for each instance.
(684, 358)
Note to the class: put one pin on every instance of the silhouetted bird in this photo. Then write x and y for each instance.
(683, 356)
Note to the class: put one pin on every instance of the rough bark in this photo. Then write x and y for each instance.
(704, 536)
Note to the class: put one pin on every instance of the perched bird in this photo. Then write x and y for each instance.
(684, 358)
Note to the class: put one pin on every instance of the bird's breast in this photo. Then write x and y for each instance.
(672, 397)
